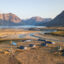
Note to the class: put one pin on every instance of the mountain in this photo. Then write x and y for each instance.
(36, 21)
(40, 19)
(37, 18)
(57, 21)
(10, 19)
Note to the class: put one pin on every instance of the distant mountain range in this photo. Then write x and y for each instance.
(10, 19)
(36, 21)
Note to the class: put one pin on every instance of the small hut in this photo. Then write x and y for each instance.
(14, 43)
(43, 44)
(49, 42)
(41, 40)
(23, 47)
(32, 45)
(53, 42)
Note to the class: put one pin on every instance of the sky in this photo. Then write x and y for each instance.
(30, 8)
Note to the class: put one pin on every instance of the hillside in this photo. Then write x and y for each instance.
(58, 21)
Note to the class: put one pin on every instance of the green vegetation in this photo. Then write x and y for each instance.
(58, 33)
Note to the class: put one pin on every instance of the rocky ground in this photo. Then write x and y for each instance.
(38, 55)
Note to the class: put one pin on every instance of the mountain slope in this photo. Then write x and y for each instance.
(57, 21)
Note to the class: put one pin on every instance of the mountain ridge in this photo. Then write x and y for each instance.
(57, 21)
(11, 19)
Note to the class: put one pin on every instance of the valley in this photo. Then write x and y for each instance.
(21, 56)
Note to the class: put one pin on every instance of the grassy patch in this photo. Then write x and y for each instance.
(58, 33)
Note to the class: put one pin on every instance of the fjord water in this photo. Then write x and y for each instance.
(24, 26)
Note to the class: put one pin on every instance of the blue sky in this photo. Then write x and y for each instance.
(28, 8)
